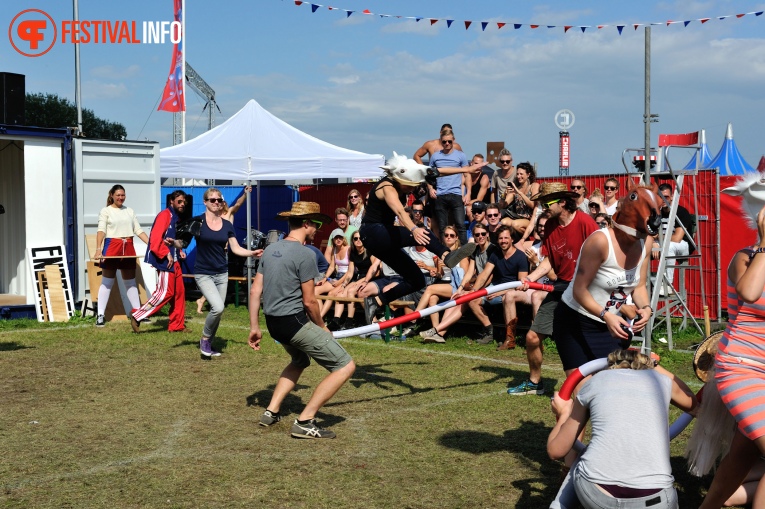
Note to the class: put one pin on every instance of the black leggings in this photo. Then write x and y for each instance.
(385, 242)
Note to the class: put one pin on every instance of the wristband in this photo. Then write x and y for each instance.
(415, 227)
(756, 251)
(603, 313)
(648, 307)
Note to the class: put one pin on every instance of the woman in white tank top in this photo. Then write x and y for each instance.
(612, 267)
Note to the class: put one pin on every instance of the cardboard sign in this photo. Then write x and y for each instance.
(38, 258)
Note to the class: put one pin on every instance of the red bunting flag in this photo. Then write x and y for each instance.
(467, 24)
(366, 11)
(500, 25)
(566, 28)
(534, 26)
(433, 21)
(704, 20)
(740, 15)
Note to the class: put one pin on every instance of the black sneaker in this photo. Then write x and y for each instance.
(370, 308)
(100, 321)
(333, 325)
(310, 430)
(486, 336)
(456, 256)
(268, 418)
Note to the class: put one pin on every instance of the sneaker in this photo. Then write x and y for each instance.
(100, 321)
(268, 418)
(333, 325)
(427, 333)
(135, 324)
(456, 256)
(527, 387)
(370, 307)
(310, 430)
(408, 331)
(486, 336)
(434, 338)
(205, 348)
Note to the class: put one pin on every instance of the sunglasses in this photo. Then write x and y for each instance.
(480, 234)
(415, 211)
(356, 238)
(447, 142)
(576, 187)
(338, 237)
(610, 188)
(492, 215)
(215, 200)
(449, 236)
(353, 196)
(317, 224)
(602, 224)
(547, 205)
(594, 206)
(505, 161)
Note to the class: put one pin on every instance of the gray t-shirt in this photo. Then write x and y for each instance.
(285, 265)
(630, 434)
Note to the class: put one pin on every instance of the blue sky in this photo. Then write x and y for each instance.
(379, 85)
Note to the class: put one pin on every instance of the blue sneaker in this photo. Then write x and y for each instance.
(527, 387)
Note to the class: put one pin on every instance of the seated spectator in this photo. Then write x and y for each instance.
(484, 250)
(444, 289)
(478, 213)
(626, 463)
(341, 219)
(530, 297)
(377, 286)
(493, 218)
(517, 203)
(505, 266)
(339, 265)
(603, 220)
(480, 185)
(365, 267)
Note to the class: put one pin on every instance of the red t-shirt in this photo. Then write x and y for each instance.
(563, 244)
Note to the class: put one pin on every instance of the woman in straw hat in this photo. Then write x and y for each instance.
(740, 360)
(385, 240)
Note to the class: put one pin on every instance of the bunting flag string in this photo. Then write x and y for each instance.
(485, 24)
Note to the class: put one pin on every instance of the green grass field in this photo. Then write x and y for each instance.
(107, 418)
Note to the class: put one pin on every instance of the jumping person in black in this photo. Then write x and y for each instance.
(384, 240)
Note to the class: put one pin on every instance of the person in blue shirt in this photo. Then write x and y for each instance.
(448, 191)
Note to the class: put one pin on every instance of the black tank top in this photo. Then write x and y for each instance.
(376, 210)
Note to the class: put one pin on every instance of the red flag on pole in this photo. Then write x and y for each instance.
(172, 96)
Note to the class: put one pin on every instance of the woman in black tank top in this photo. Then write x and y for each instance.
(385, 240)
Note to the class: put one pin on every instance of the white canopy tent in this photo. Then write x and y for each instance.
(255, 145)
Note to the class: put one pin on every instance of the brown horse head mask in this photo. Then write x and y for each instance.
(639, 213)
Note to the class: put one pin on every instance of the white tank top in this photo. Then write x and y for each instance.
(612, 285)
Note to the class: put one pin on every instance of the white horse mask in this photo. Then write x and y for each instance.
(407, 171)
(751, 187)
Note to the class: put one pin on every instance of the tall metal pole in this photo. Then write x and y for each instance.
(647, 115)
(77, 89)
(183, 70)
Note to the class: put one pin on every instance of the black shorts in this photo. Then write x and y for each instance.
(581, 339)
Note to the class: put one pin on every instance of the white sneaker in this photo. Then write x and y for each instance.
(427, 333)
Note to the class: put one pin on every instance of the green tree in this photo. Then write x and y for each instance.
(50, 110)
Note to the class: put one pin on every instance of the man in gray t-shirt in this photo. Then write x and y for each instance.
(285, 280)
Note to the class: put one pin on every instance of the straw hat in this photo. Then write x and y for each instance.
(704, 359)
(550, 191)
(304, 210)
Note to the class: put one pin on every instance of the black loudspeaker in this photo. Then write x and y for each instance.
(189, 206)
(12, 96)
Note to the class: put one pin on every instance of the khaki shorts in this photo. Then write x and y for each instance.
(312, 342)
(543, 322)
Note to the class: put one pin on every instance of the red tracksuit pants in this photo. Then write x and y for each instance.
(169, 289)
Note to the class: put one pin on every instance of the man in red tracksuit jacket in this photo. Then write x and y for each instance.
(163, 254)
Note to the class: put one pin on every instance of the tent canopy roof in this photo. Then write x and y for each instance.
(729, 160)
(255, 145)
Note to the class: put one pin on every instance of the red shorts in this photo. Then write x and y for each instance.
(119, 247)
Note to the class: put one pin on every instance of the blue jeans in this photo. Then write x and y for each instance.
(214, 289)
(453, 203)
(385, 242)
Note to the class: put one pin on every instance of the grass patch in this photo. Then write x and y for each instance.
(108, 418)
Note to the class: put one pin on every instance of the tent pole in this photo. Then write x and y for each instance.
(249, 242)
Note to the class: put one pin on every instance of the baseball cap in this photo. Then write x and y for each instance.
(478, 206)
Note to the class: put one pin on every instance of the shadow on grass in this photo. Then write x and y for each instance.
(527, 443)
(9, 346)
(292, 404)
(690, 489)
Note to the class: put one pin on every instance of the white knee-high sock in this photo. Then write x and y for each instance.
(103, 293)
(132, 293)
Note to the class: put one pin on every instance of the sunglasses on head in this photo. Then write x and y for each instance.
(576, 187)
(215, 200)
(546, 205)
(609, 188)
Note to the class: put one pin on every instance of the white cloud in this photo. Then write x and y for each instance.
(92, 89)
(115, 73)
(344, 80)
